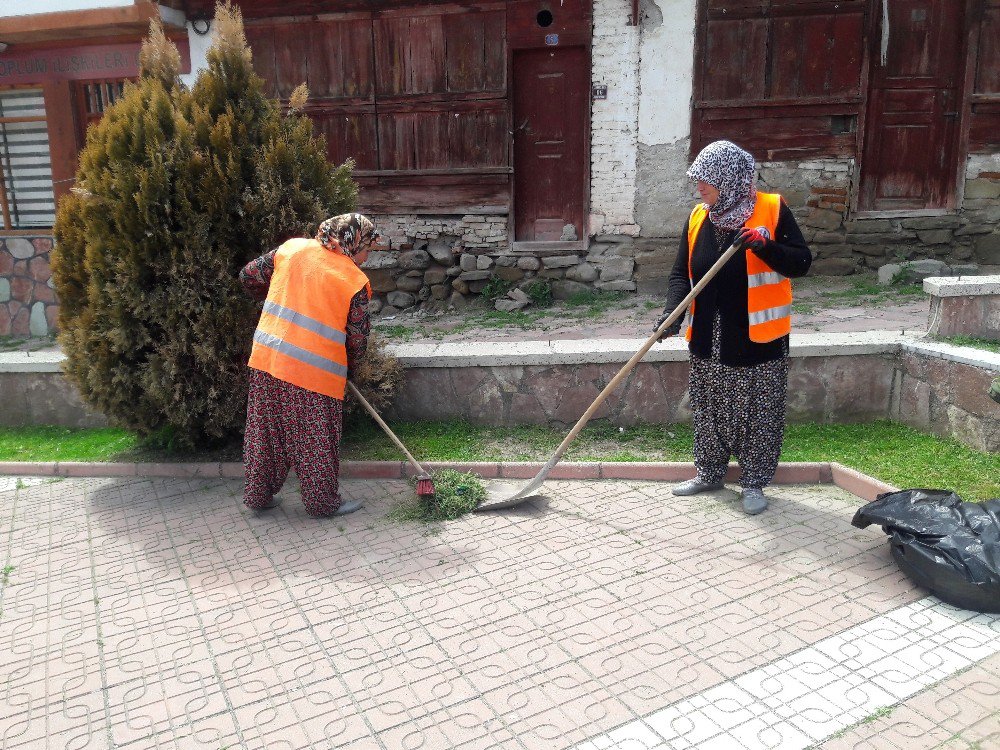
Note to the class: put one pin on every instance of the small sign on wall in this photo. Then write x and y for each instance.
(552, 39)
(599, 91)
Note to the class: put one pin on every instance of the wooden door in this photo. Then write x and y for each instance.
(910, 151)
(550, 122)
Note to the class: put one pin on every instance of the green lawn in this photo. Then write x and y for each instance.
(894, 453)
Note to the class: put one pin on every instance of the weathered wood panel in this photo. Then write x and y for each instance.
(261, 41)
(571, 21)
(476, 51)
(775, 133)
(433, 135)
(735, 68)
(409, 55)
(988, 61)
(349, 135)
(426, 195)
(804, 51)
(340, 59)
(910, 158)
(783, 76)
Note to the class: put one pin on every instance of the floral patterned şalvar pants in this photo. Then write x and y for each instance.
(289, 427)
(737, 411)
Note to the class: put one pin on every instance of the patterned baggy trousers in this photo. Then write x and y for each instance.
(291, 428)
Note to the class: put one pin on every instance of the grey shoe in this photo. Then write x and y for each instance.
(348, 506)
(694, 486)
(275, 502)
(754, 501)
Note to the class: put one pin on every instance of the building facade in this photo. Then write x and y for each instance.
(523, 139)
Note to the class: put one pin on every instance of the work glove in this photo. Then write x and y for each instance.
(750, 238)
(673, 329)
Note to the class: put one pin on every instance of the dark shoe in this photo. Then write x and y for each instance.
(348, 506)
(754, 501)
(694, 486)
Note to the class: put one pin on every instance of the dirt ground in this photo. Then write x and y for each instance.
(832, 304)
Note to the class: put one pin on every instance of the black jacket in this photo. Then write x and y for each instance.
(726, 294)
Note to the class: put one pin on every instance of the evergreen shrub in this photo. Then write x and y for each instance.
(177, 189)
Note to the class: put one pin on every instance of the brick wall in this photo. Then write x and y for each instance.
(614, 121)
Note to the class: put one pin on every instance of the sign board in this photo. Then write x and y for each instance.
(599, 91)
(551, 39)
(80, 63)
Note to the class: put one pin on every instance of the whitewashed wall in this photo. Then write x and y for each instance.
(666, 73)
(614, 121)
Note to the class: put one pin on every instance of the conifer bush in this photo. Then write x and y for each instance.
(177, 189)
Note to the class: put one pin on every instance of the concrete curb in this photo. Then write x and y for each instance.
(861, 485)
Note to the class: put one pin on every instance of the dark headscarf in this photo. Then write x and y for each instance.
(348, 234)
(731, 171)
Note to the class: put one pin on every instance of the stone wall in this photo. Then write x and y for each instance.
(442, 272)
(822, 389)
(832, 378)
(965, 306)
(819, 192)
(946, 396)
(27, 301)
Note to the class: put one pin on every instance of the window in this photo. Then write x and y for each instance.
(96, 96)
(26, 197)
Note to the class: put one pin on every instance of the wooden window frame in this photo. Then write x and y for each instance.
(7, 228)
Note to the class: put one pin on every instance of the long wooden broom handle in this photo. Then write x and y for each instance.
(384, 426)
(627, 368)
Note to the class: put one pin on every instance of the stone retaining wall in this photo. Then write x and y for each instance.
(938, 393)
(832, 379)
(833, 389)
(28, 304)
(965, 306)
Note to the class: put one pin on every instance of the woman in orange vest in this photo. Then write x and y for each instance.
(313, 330)
(739, 324)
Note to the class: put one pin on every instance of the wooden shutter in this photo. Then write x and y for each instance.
(984, 130)
(416, 96)
(781, 77)
(332, 55)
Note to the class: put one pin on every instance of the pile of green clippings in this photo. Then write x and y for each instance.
(455, 494)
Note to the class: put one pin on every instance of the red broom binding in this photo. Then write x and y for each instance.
(425, 486)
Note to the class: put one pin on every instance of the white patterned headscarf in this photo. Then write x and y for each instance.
(731, 171)
(348, 234)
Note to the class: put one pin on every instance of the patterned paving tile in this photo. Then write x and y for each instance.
(158, 613)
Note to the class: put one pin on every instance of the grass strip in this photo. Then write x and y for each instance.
(891, 452)
(48, 443)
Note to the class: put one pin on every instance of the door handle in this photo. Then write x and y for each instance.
(522, 126)
(950, 115)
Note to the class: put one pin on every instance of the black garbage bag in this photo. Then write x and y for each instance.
(944, 545)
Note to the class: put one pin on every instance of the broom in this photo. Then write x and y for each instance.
(425, 485)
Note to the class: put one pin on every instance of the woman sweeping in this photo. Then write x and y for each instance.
(312, 332)
(739, 324)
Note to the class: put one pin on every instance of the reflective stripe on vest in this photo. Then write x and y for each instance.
(302, 334)
(769, 294)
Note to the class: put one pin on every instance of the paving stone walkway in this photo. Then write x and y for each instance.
(161, 614)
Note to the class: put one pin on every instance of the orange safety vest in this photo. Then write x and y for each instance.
(769, 294)
(302, 334)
